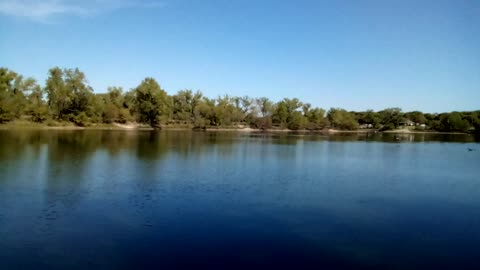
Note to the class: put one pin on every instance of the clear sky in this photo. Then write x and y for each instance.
(358, 54)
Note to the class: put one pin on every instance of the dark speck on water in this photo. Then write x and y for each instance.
(111, 199)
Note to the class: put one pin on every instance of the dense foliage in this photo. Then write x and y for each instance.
(67, 96)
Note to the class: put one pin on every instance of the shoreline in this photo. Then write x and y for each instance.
(138, 127)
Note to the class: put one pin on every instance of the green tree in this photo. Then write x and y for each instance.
(115, 96)
(68, 93)
(22, 89)
(453, 122)
(296, 121)
(58, 96)
(315, 118)
(262, 111)
(184, 104)
(280, 115)
(244, 109)
(476, 121)
(80, 92)
(113, 106)
(368, 117)
(152, 103)
(37, 108)
(7, 103)
(225, 112)
(416, 117)
(391, 118)
(341, 119)
(15, 93)
(204, 113)
(265, 106)
(68, 97)
(284, 114)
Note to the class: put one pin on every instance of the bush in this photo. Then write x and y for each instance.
(296, 121)
(452, 122)
(476, 125)
(341, 119)
(200, 123)
(5, 115)
(81, 119)
(319, 125)
(388, 126)
(52, 123)
(39, 114)
(124, 116)
(263, 123)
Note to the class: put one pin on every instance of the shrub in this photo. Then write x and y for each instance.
(81, 119)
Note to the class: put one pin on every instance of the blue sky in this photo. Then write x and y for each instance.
(417, 55)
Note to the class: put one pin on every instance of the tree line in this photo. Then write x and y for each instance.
(67, 97)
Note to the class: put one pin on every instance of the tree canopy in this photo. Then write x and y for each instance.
(67, 96)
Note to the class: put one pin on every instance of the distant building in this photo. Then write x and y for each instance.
(407, 122)
(365, 126)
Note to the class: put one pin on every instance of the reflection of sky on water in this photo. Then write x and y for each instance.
(110, 199)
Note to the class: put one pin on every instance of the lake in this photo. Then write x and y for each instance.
(211, 200)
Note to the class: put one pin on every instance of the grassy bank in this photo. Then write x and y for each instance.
(22, 124)
(56, 125)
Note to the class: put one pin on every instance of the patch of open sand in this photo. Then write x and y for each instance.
(126, 126)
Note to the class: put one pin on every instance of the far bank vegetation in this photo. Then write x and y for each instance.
(66, 98)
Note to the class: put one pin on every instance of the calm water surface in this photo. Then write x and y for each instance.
(179, 199)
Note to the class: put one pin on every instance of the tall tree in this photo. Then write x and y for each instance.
(315, 118)
(204, 114)
(37, 108)
(113, 105)
(7, 95)
(453, 122)
(476, 121)
(152, 102)
(416, 117)
(391, 117)
(68, 93)
(59, 98)
(341, 119)
(265, 105)
(184, 104)
(225, 111)
(286, 113)
(80, 92)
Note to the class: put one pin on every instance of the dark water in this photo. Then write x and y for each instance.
(163, 200)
